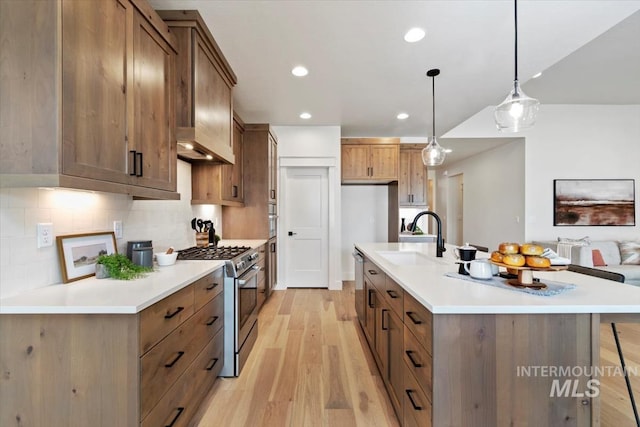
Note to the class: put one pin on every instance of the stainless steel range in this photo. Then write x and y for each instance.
(240, 300)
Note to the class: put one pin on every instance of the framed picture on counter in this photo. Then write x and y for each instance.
(594, 202)
(78, 253)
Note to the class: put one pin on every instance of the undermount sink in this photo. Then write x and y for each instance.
(405, 257)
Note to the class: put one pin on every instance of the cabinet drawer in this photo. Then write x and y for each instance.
(164, 316)
(164, 363)
(394, 294)
(416, 406)
(181, 402)
(208, 287)
(376, 274)
(419, 320)
(418, 361)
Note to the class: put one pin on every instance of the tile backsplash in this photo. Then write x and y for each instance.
(24, 266)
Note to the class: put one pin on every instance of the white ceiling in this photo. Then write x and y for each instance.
(362, 73)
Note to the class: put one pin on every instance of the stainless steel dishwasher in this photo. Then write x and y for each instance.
(359, 291)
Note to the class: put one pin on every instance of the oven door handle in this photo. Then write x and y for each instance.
(249, 275)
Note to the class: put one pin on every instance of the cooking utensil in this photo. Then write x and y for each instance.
(193, 224)
(200, 224)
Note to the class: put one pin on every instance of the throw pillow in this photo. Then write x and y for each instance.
(575, 242)
(629, 253)
(598, 260)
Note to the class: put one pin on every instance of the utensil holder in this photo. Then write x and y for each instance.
(202, 239)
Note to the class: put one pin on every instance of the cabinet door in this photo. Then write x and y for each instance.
(382, 336)
(355, 162)
(95, 89)
(232, 174)
(404, 179)
(152, 152)
(395, 359)
(273, 169)
(384, 162)
(370, 311)
(417, 179)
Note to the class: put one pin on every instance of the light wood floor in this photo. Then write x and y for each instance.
(309, 368)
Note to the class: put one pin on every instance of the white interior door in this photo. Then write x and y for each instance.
(305, 227)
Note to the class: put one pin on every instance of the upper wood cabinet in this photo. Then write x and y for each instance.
(369, 160)
(94, 108)
(412, 183)
(204, 83)
(221, 184)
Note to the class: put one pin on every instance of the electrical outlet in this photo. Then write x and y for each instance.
(117, 229)
(45, 234)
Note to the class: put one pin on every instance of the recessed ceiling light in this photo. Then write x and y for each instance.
(535, 76)
(414, 35)
(305, 116)
(402, 116)
(299, 71)
(448, 150)
(209, 157)
(186, 145)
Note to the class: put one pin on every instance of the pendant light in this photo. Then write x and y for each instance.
(517, 111)
(433, 154)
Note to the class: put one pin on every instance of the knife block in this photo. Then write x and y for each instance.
(202, 239)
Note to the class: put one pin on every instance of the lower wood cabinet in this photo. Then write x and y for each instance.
(262, 276)
(151, 369)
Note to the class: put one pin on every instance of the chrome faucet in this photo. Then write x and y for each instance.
(439, 241)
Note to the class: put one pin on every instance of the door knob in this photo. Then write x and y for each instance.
(291, 233)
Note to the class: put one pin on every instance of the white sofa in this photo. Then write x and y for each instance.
(610, 250)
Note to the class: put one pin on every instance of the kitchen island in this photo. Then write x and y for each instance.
(454, 352)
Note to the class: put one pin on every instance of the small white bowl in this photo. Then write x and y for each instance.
(166, 259)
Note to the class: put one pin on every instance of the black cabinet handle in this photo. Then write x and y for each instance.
(384, 310)
(174, 361)
(212, 363)
(413, 362)
(411, 315)
(212, 320)
(170, 315)
(413, 403)
(373, 272)
(180, 411)
(234, 191)
(371, 303)
(139, 155)
(133, 162)
(211, 286)
(393, 294)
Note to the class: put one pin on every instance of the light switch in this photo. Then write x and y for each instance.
(117, 229)
(45, 234)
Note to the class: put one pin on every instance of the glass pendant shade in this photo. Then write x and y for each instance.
(433, 154)
(517, 111)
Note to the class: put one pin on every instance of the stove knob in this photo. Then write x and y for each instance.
(239, 265)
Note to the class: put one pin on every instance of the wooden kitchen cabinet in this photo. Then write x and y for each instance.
(262, 276)
(369, 160)
(151, 368)
(204, 83)
(111, 98)
(412, 182)
(221, 183)
(272, 264)
(260, 169)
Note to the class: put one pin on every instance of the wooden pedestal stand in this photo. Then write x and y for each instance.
(525, 275)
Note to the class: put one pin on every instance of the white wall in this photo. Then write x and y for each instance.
(23, 266)
(570, 142)
(315, 146)
(494, 200)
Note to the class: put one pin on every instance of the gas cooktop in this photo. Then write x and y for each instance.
(212, 253)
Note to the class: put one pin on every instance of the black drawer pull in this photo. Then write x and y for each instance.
(133, 162)
(234, 191)
(174, 361)
(384, 310)
(393, 294)
(373, 272)
(416, 407)
(413, 362)
(170, 315)
(212, 320)
(173, 421)
(411, 315)
(372, 304)
(211, 286)
(212, 363)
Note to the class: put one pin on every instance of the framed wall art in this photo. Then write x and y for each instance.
(594, 202)
(78, 253)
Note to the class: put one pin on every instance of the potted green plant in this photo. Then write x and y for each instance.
(119, 267)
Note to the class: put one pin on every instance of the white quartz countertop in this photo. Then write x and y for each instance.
(440, 294)
(110, 296)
